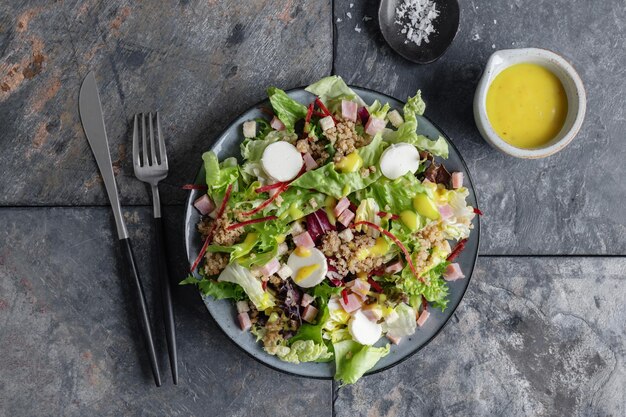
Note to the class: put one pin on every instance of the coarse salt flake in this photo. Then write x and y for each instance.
(416, 19)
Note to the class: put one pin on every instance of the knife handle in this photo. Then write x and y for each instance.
(166, 296)
(142, 309)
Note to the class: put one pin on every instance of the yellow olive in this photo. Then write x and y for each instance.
(410, 220)
(425, 206)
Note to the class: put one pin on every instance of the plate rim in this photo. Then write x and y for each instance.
(189, 204)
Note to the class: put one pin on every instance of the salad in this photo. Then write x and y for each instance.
(336, 231)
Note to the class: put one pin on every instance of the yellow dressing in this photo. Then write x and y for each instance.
(305, 272)
(526, 105)
(302, 252)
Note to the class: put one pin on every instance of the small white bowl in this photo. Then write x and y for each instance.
(574, 89)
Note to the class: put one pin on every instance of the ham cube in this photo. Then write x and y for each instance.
(423, 317)
(342, 204)
(394, 267)
(309, 162)
(283, 248)
(270, 268)
(249, 129)
(348, 110)
(304, 239)
(309, 314)
(285, 272)
(453, 272)
(394, 340)
(346, 217)
(457, 180)
(327, 123)
(354, 303)
(374, 126)
(204, 205)
(244, 321)
(346, 235)
(446, 212)
(373, 314)
(306, 300)
(359, 286)
(277, 124)
(296, 228)
(395, 118)
(242, 306)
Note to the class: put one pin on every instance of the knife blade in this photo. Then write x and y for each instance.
(92, 119)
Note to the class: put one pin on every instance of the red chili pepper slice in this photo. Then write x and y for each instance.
(385, 214)
(375, 285)
(344, 295)
(477, 211)
(457, 250)
(324, 109)
(253, 221)
(194, 187)
(264, 285)
(309, 113)
(390, 235)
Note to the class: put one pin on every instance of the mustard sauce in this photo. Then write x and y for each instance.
(526, 105)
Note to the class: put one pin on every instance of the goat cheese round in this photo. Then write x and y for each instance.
(308, 266)
(363, 330)
(398, 159)
(281, 161)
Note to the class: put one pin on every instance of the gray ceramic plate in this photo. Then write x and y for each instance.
(224, 312)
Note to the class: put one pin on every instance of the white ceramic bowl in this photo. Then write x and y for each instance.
(573, 85)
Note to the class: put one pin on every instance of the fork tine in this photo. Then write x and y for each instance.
(152, 148)
(136, 160)
(162, 151)
(144, 144)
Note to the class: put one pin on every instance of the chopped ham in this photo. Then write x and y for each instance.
(342, 204)
(359, 286)
(394, 340)
(457, 180)
(309, 162)
(283, 248)
(285, 272)
(270, 268)
(373, 314)
(394, 267)
(249, 129)
(423, 317)
(453, 272)
(374, 126)
(346, 235)
(348, 110)
(445, 211)
(309, 314)
(353, 304)
(244, 321)
(304, 239)
(204, 205)
(277, 124)
(242, 306)
(296, 228)
(327, 123)
(346, 217)
(306, 300)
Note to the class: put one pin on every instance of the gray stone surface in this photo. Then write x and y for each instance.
(533, 337)
(70, 343)
(569, 203)
(200, 63)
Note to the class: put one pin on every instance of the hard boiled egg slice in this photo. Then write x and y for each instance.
(308, 265)
(398, 159)
(363, 330)
(281, 161)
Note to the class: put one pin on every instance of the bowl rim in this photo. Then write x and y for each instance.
(494, 66)
(192, 194)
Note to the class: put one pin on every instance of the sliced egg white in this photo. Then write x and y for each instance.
(281, 161)
(309, 267)
(398, 159)
(363, 330)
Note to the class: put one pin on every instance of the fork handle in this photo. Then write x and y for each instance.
(166, 296)
(142, 309)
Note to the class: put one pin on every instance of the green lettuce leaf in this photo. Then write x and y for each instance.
(296, 203)
(216, 289)
(237, 274)
(287, 109)
(333, 88)
(306, 351)
(377, 110)
(406, 132)
(405, 324)
(435, 292)
(252, 149)
(219, 176)
(396, 195)
(337, 184)
(353, 360)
